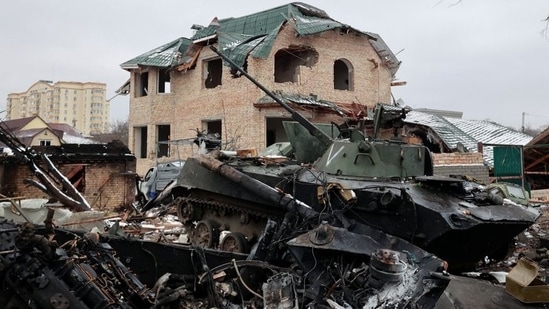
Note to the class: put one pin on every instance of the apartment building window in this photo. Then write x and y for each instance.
(142, 84)
(343, 75)
(288, 60)
(163, 81)
(162, 136)
(140, 137)
(213, 70)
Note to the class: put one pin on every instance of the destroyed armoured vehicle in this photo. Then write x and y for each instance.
(385, 184)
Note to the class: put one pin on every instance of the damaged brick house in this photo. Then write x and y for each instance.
(320, 65)
(100, 172)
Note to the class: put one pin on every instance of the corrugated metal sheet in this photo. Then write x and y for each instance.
(490, 133)
(164, 56)
(308, 20)
(469, 132)
(312, 25)
(449, 133)
(238, 46)
(487, 132)
(507, 161)
(301, 100)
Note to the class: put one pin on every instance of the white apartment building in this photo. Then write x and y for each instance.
(83, 105)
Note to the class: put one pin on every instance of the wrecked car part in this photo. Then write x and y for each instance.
(280, 292)
(82, 273)
(386, 265)
(360, 269)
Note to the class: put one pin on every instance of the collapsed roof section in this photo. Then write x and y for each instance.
(253, 35)
(454, 134)
(352, 111)
(164, 56)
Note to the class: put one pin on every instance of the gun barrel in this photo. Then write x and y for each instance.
(324, 138)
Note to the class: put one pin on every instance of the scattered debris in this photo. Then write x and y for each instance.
(523, 283)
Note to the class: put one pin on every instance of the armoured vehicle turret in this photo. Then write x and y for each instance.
(383, 183)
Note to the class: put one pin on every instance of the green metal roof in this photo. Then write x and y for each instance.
(307, 20)
(254, 35)
(164, 56)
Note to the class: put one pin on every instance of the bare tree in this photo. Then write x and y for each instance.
(119, 131)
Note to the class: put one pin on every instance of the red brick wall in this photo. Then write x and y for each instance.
(467, 164)
(107, 185)
(456, 158)
(189, 103)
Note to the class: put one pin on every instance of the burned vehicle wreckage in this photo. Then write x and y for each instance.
(361, 227)
(384, 184)
(300, 257)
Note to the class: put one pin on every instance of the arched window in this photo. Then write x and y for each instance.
(343, 75)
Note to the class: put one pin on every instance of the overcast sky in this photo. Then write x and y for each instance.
(485, 58)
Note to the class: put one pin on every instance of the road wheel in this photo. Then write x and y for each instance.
(234, 242)
(205, 234)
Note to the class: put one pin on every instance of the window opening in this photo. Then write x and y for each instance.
(275, 132)
(343, 78)
(140, 136)
(212, 73)
(143, 87)
(163, 135)
(288, 61)
(212, 127)
(163, 81)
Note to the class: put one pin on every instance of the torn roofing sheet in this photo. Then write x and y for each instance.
(469, 132)
(307, 20)
(302, 100)
(445, 130)
(164, 56)
(263, 27)
(237, 46)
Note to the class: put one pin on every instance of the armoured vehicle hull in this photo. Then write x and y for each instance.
(385, 184)
(451, 226)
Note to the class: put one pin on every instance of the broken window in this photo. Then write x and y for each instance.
(163, 81)
(163, 135)
(275, 132)
(212, 126)
(142, 87)
(288, 60)
(343, 75)
(212, 72)
(140, 137)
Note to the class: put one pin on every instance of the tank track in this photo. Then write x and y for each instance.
(221, 205)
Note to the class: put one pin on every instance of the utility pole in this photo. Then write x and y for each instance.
(523, 115)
